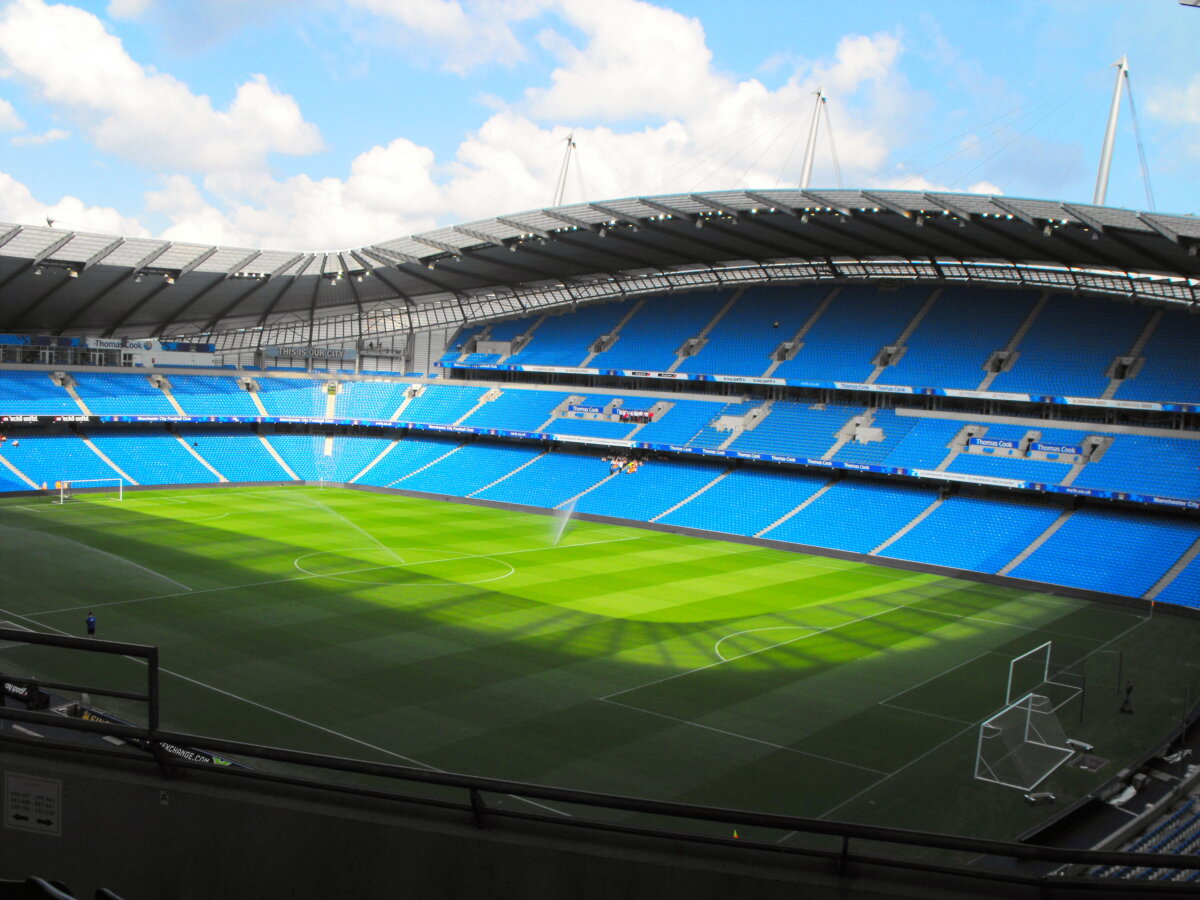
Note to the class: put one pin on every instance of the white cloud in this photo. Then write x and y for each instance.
(9, 120)
(1178, 105)
(639, 60)
(36, 140)
(462, 35)
(20, 205)
(697, 127)
(128, 9)
(136, 113)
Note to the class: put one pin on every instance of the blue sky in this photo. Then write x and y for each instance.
(313, 124)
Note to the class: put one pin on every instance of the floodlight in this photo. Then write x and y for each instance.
(73, 273)
(37, 271)
(169, 278)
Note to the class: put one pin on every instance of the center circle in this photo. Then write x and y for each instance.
(403, 566)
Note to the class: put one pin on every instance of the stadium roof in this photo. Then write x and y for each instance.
(64, 282)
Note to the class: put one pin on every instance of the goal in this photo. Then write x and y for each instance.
(1022, 744)
(104, 488)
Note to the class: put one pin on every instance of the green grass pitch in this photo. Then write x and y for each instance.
(621, 660)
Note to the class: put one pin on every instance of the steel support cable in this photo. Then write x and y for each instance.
(1024, 109)
(1137, 133)
(1013, 140)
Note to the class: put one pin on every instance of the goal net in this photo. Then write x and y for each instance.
(1022, 745)
(100, 488)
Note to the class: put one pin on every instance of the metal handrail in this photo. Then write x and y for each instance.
(475, 786)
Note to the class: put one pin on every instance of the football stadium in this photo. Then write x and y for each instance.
(771, 539)
(780, 542)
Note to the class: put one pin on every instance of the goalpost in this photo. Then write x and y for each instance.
(109, 488)
(1024, 743)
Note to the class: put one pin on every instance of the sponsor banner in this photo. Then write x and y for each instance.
(741, 379)
(566, 370)
(882, 388)
(32, 697)
(978, 395)
(123, 344)
(969, 479)
(309, 353)
(1057, 448)
(1111, 404)
(669, 448)
(191, 754)
(586, 409)
(993, 442)
(599, 442)
(843, 385)
(638, 373)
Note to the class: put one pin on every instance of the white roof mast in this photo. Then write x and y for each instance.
(1110, 133)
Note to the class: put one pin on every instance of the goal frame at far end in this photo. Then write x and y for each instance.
(64, 488)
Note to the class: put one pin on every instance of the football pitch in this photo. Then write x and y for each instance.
(619, 659)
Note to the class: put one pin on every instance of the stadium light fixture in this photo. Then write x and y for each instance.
(137, 279)
(169, 278)
(37, 271)
(72, 273)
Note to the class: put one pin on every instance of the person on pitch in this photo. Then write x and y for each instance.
(91, 624)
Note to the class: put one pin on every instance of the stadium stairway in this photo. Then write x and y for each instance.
(1018, 336)
(688, 499)
(912, 326)
(612, 335)
(695, 344)
(165, 387)
(488, 397)
(279, 459)
(379, 456)
(797, 339)
(258, 404)
(583, 493)
(1038, 541)
(522, 339)
(811, 498)
(847, 432)
(432, 462)
(200, 459)
(410, 394)
(100, 453)
(912, 523)
(527, 463)
(70, 389)
(1133, 353)
(4, 460)
(1172, 573)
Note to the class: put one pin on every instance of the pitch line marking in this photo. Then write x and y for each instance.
(1141, 621)
(370, 537)
(287, 715)
(717, 645)
(939, 675)
(234, 587)
(338, 576)
(122, 559)
(921, 712)
(749, 653)
(744, 737)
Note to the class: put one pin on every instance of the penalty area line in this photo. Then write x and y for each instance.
(298, 719)
(745, 737)
(234, 587)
